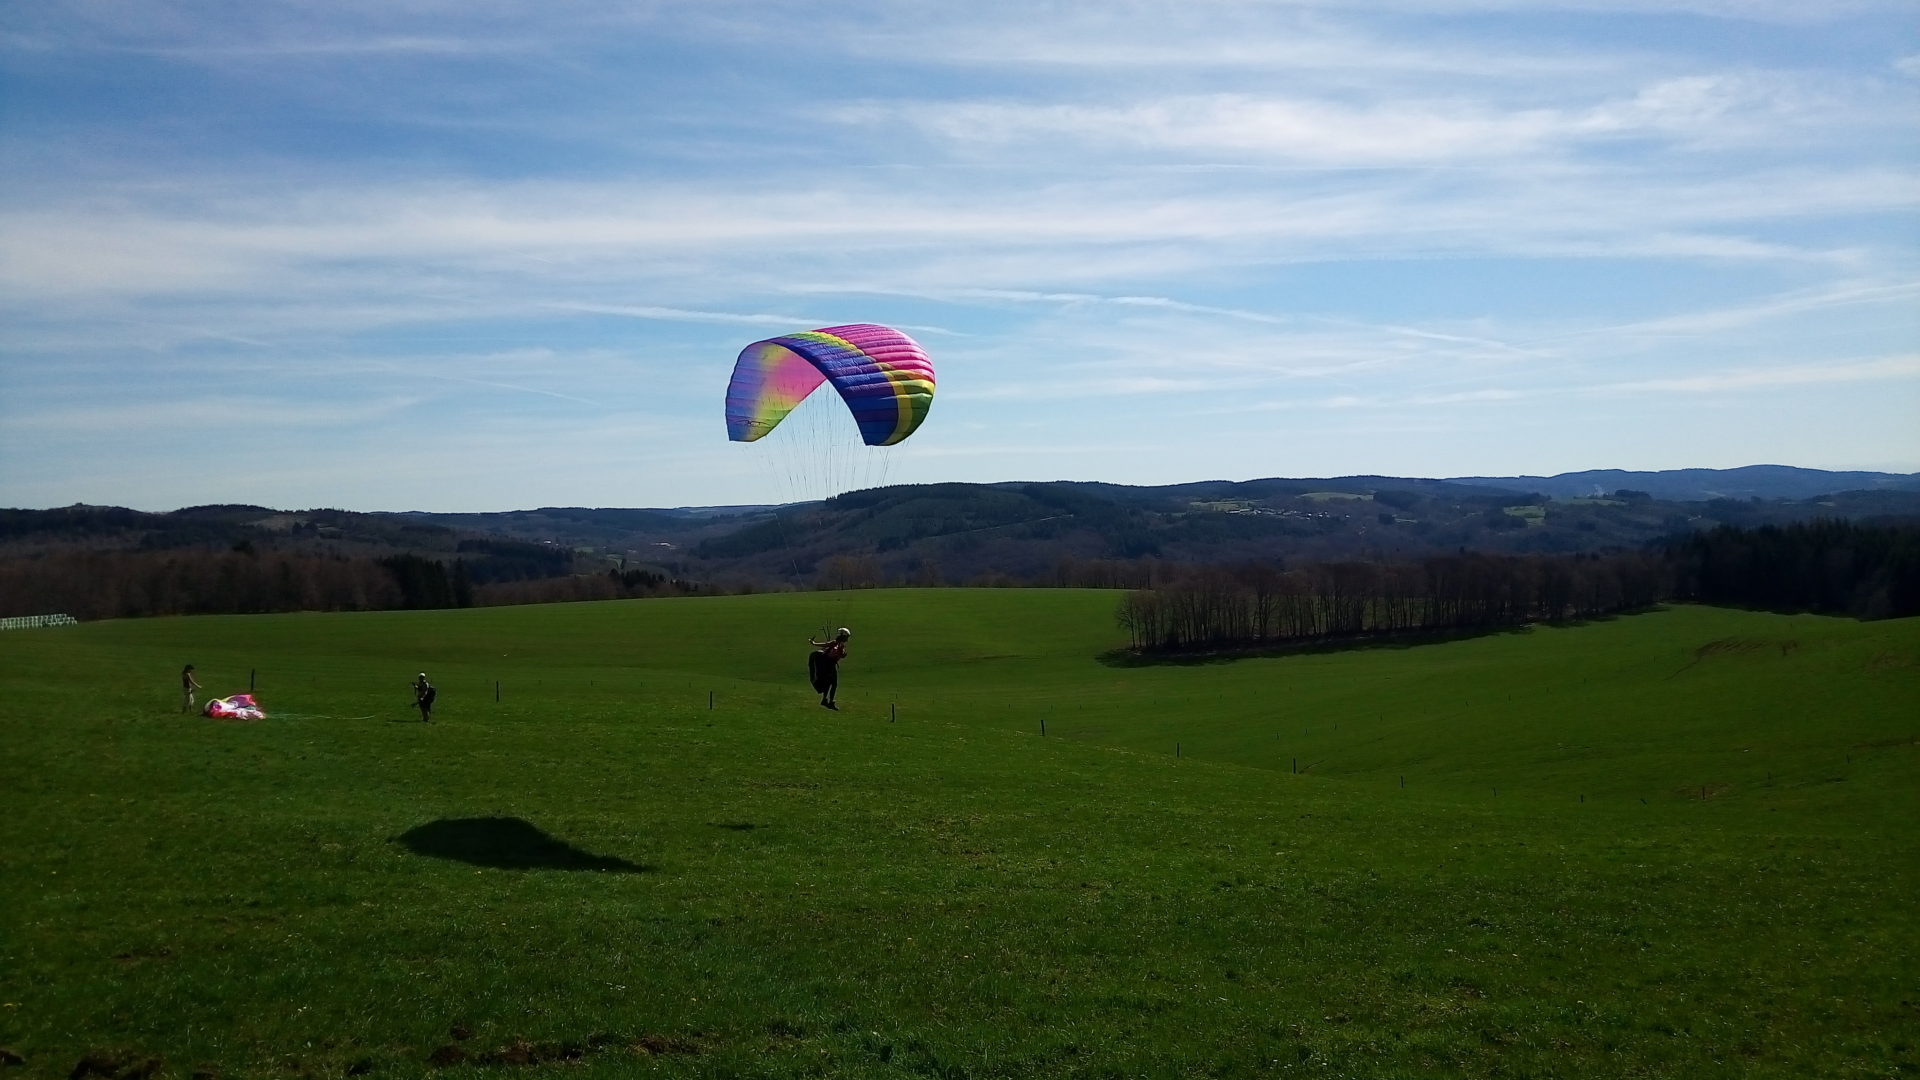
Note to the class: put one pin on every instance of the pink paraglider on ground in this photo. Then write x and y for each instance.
(237, 707)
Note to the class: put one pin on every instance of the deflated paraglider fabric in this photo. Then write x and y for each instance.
(237, 707)
(882, 374)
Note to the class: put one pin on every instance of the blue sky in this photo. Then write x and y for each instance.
(487, 254)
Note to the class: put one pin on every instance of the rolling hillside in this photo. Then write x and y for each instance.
(1678, 844)
(956, 534)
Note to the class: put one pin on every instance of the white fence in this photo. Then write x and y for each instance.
(34, 622)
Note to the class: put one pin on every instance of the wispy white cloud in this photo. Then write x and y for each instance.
(1028, 296)
(1876, 370)
(1882, 369)
(1023, 454)
(1415, 126)
(1768, 309)
(238, 417)
(683, 315)
(395, 46)
(511, 387)
(1330, 37)
(583, 237)
(1089, 386)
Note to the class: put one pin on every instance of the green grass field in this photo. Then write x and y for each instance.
(1675, 844)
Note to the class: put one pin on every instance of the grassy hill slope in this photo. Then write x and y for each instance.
(598, 874)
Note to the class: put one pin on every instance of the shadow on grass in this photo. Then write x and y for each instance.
(506, 844)
(1129, 658)
(1126, 658)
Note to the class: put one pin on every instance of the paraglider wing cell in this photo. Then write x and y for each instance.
(882, 374)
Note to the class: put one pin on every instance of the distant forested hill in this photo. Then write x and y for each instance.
(95, 562)
(1699, 485)
(1105, 534)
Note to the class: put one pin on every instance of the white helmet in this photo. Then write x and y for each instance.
(844, 632)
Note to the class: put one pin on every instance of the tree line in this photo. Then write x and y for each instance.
(1866, 570)
(241, 580)
(1254, 604)
(1836, 567)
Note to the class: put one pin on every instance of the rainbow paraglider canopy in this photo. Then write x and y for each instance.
(235, 707)
(882, 374)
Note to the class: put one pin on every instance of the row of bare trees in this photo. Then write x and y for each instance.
(124, 584)
(119, 584)
(1211, 607)
(1868, 570)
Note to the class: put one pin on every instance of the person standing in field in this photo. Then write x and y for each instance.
(826, 666)
(188, 684)
(423, 695)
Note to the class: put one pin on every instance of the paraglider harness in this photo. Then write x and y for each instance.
(823, 669)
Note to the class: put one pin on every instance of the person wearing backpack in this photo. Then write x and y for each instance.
(824, 666)
(423, 695)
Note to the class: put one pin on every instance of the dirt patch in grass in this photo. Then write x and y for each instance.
(1325, 643)
(521, 1053)
(784, 1030)
(1883, 744)
(665, 1044)
(115, 1066)
(1727, 647)
(1734, 646)
(1702, 792)
(781, 785)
